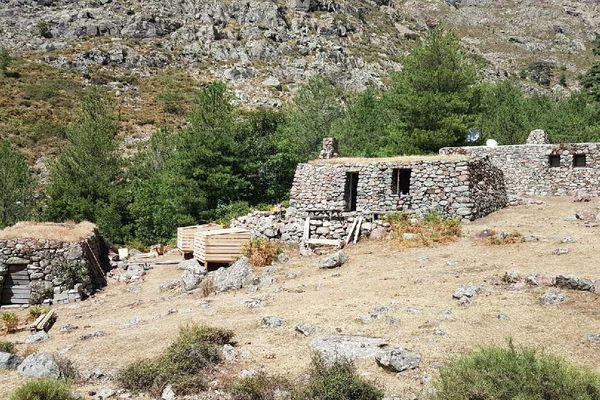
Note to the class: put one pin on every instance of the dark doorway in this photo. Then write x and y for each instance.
(579, 160)
(351, 190)
(16, 288)
(401, 181)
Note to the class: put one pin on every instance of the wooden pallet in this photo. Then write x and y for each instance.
(16, 288)
(185, 235)
(220, 246)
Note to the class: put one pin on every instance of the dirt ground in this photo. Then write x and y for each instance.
(417, 283)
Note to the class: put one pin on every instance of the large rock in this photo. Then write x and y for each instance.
(334, 260)
(37, 337)
(552, 297)
(469, 290)
(237, 276)
(9, 360)
(398, 359)
(193, 266)
(40, 365)
(191, 280)
(273, 322)
(334, 348)
(573, 282)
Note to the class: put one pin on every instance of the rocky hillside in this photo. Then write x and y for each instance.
(265, 48)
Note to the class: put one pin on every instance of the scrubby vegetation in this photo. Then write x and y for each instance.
(433, 228)
(259, 387)
(7, 347)
(212, 160)
(35, 311)
(44, 389)
(185, 364)
(508, 373)
(337, 381)
(502, 238)
(261, 252)
(10, 320)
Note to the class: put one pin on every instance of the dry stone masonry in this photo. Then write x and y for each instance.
(542, 169)
(58, 269)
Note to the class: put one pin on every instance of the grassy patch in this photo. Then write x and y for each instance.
(334, 382)
(44, 389)
(426, 231)
(7, 347)
(259, 387)
(10, 321)
(261, 252)
(499, 373)
(502, 238)
(35, 311)
(185, 364)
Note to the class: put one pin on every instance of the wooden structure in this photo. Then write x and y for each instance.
(43, 322)
(220, 245)
(17, 287)
(185, 235)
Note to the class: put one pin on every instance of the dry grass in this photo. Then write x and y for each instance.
(432, 229)
(68, 231)
(401, 159)
(501, 238)
(261, 252)
(415, 283)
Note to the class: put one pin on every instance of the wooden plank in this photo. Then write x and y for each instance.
(357, 233)
(306, 234)
(324, 242)
(351, 230)
(33, 326)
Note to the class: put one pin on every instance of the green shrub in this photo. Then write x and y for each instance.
(44, 389)
(258, 387)
(36, 311)
(498, 373)
(335, 382)
(7, 347)
(184, 363)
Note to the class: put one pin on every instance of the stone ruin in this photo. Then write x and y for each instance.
(50, 263)
(333, 192)
(540, 168)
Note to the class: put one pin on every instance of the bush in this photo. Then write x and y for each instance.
(44, 389)
(501, 238)
(258, 387)
(36, 311)
(11, 321)
(431, 229)
(498, 373)
(7, 347)
(335, 382)
(261, 252)
(184, 363)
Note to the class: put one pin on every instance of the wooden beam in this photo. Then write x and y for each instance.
(357, 233)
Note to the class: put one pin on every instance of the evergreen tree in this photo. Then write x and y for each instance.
(433, 99)
(84, 181)
(18, 186)
(591, 80)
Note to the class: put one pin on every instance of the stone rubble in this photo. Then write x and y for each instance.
(398, 359)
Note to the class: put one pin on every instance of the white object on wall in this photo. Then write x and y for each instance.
(491, 143)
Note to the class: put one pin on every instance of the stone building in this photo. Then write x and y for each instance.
(44, 262)
(333, 192)
(539, 168)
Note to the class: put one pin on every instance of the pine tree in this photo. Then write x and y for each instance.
(591, 80)
(433, 97)
(85, 178)
(17, 196)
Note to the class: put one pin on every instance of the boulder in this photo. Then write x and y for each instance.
(552, 297)
(573, 282)
(135, 271)
(168, 285)
(37, 337)
(342, 347)
(9, 360)
(306, 329)
(190, 280)
(237, 276)
(594, 337)
(273, 322)
(398, 359)
(105, 393)
(469, 290)
(334, 260)
(192, 265)
(378, 234)
(40, 365)
(168, 393)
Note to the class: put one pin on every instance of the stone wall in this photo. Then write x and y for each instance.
(455, 187)
(527, 169)
(59, 271)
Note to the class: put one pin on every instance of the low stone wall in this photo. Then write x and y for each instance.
(528, 171)
(58, 271)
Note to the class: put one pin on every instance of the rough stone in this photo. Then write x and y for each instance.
(306, 329)
(37, 337)
(40, 365)
(334, 260)
(552, 297)
(238, 275)
(192, 265)
(190, 280)
(573, 282)
(398, 359)
(469, 290)
(168, 285)
(594, 337)
(9, 360)
(333, 348)
(273, 322)
(105, 393)
(168, 393)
